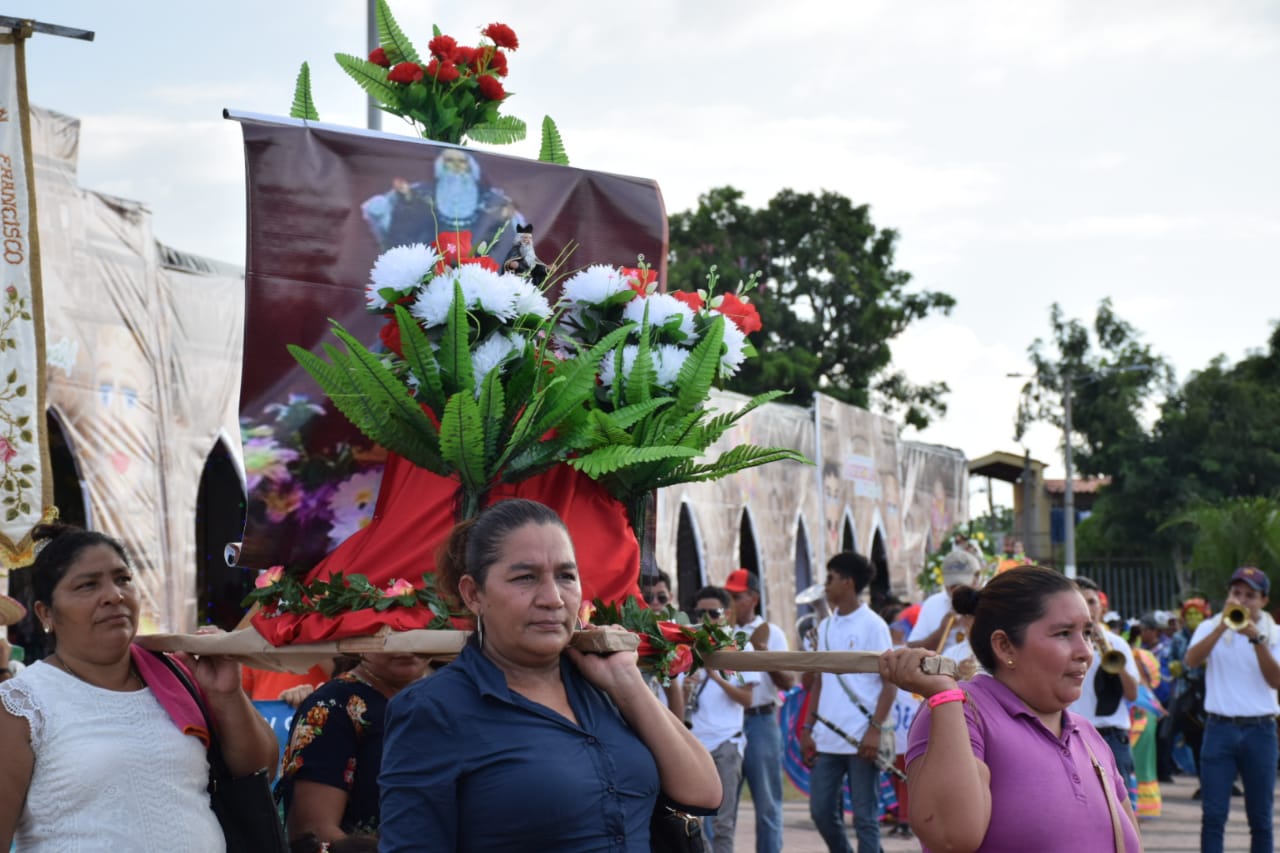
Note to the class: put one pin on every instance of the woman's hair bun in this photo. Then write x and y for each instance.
(965, 600)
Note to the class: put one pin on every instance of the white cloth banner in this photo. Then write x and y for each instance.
(25, 492)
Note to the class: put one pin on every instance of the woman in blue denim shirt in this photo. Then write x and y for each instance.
(523, 743)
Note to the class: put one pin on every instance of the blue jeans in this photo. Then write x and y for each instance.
(762, 772)
(826, 801)
(1249, 750)
(1118, 740)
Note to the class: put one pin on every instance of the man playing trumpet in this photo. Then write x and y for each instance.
(1112, 676)
(1240, 648)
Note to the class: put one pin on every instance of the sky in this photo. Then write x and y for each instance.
(1026, 152)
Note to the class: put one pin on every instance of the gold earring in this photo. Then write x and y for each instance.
(1011, 663)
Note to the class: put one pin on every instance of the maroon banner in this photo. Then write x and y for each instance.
(323, 202)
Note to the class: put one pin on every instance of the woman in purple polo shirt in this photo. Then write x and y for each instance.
(1002, 765)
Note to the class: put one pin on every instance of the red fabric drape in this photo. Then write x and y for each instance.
(413, 516)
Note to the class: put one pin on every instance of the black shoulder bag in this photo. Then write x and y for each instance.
(244, 806)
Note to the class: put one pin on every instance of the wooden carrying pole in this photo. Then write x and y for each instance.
(250, 647)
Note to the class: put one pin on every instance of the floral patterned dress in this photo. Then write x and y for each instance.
(336, 739)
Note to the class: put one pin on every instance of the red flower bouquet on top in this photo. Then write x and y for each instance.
(669, 644)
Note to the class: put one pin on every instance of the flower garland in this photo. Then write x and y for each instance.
(669, 644)
(279, 592)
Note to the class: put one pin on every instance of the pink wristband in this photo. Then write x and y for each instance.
(955, 694)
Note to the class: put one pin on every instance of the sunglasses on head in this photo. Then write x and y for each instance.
(714, 613)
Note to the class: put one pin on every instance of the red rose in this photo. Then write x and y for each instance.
(445, 72)
(389, 334)
(463, 55)
(688, 297)
(741, 312)
(491, 89)
(674, 632)
(682, 661)
(406, 72)
(442, 47)
(502, 35)
(498, 62)
(379, 57)
(646, 648)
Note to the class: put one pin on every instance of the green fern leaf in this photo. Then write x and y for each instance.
(394, 42)
(421, 359)
(503, 130)
(699, 369)
(717, 426)
(640, 381)
(578, 382)
(337, 383)
(372, 78)
(461, 442)
(304, 107)
(629, 416)
(455, 347)
(377, 380)
(552, 146)
(609, 460)
(492, 410)
(739, 459)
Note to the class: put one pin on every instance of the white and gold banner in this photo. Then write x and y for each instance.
(26, 490)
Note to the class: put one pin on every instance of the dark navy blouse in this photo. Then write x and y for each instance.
(470, 765)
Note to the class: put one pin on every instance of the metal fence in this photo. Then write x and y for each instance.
(1134, 586)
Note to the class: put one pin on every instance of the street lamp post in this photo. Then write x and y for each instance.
(1068, 489)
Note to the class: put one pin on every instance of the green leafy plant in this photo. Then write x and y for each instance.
(278, 592)
(304, 107)
(552, 150)
(669, 644)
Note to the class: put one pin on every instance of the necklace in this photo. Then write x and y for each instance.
(133, 673)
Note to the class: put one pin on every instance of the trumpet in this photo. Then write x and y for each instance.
(1112, 659)
(1235, 616)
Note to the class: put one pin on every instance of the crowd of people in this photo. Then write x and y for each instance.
(1058, 707)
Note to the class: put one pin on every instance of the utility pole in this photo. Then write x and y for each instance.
(1068, 490)
(371, 30)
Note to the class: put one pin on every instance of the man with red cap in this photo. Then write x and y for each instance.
(762, 763)
(1242, 674)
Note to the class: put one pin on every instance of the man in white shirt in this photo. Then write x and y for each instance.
(959, 568)
(1241, 678)
(715, 702)
(762, 764)
(841, 733)
(1100, 698)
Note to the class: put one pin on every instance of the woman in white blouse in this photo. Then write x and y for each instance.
(92, 760)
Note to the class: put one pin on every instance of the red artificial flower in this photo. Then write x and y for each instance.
(502, 35)
(484, 260)
(674, 632)
(453, 244)
(442, 47)
(646, 648)
(463, 55)
(389, 334)
(688, 297)
(638, 279)
(491, 89)
(741, 312)
(406, 72)
(379, 57)
(498, 62)
(682, 662)
(445, 72)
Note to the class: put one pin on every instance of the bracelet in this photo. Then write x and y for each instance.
(871, 721)
(955, 694)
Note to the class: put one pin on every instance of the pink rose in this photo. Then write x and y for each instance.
(399, 587)
(7, 451)
(268, 578)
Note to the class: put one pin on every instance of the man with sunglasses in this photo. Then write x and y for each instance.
(762, 762)
(656, 590)
(716, 702)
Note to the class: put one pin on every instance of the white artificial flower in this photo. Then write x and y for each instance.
(608, 365)
(670, 359)
(432, 304)
(529, 299)
(492, 353)
(734, 349)
(487, 290)
(400, 268)
(661, 308)
(592, 286)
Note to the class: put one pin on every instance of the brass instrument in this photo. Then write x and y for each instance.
(1235, 616)
(1112, 659)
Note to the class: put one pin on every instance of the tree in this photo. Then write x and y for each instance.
(1112, 375)
(1217, 438)
(830, 298)
(1230, 534)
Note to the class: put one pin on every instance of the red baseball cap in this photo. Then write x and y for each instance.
(741, 580)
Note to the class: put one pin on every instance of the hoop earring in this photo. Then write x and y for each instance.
(479, 631)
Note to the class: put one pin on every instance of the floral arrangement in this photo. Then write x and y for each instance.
(322, 497)
(278, 592)
(669, 644)
(966, 535)
(455, 94)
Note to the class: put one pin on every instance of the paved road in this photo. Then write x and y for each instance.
(1177, 829)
